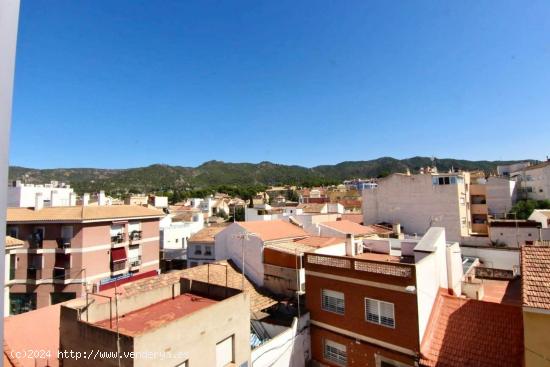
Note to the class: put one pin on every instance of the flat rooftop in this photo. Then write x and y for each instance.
(502, 291)
(385, 257)
(151, 317)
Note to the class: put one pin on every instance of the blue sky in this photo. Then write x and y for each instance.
(119, 84)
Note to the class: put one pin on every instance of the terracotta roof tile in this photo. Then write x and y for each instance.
(316, 241)
(311, 207)
(214, 273)
(473, 333)
(356, 218)
(80, 213)
(535, 270)
(207, 234)
(273, 229)
(346, 226)
(13, 242)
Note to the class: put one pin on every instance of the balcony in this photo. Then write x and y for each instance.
(118, 238)
(34, 273)
(118, 266)
(63, 243)
(135, 236)
(479, 228)
(135, 262)
(478, 209)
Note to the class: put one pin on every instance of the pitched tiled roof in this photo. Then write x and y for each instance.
(13, 242)
(535, 270)
(316, 241)
(473, 333)
(207, 234)
(356, 218)
(273, 229)
(215, 274)
(81, 213)
(44, 337)
(346, 226)
(536, 166)
(311, 207)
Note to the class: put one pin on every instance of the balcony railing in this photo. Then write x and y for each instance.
(135, 261)
(60, 274)
(63, 243)
(135, 235)
(118, 238)
(33, 273)
(119, 265)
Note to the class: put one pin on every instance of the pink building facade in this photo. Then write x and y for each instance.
(63, 259)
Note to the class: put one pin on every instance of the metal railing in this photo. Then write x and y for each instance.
(118, 238)
(135, 261)
(63, 243)
(135, 235)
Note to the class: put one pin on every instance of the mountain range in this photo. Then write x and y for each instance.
(161, 177)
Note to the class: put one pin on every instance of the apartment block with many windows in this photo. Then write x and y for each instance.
(372, 306)
(70, 249)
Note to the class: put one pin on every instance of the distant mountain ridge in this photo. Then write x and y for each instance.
(159, 177)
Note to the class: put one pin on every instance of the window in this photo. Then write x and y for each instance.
(22, 302)
(333, 301)
(58, 297)
(224, 352)
(67, 233)
(335, 352)
(198, 250)
(379, 312)
(13, 231)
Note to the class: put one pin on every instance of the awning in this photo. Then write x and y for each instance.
(62, 261)
(118, 254)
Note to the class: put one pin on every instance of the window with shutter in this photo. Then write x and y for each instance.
(333, 301)
(379, 312)
(335, 352)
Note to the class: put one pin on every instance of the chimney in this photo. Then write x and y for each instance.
(396, 228)
(38, 201)
(350, 245)
(85, 199)
(72, 199)
(101, 198)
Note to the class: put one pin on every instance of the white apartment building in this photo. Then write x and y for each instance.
(534, 181)
(55, 193)
(421, 201)
(175, 234)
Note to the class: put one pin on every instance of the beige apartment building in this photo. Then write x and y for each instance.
(171, 325)
(421, 201)
(68, 250)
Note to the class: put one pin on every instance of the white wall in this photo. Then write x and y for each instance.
(501, 195)
(229, 246)
(431, 274)
(539, 216)
(291, 348)
(494, 258)
(510, 236)
(417, 204)
(24, 196)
